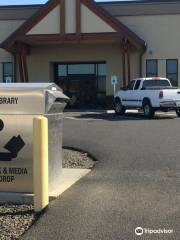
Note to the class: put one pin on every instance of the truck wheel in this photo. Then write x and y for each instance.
(119, 108)
(178, 112)
(148, 109)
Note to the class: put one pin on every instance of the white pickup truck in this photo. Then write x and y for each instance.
(148, 94)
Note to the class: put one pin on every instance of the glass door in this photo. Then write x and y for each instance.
(82, 90)
(83, 83)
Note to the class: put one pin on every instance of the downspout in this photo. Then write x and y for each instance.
(141, 59)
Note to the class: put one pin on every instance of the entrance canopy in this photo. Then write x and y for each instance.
(70, 21)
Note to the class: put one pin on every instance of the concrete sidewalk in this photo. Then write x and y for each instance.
(67, 179)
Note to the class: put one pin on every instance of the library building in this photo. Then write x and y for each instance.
(81, 44)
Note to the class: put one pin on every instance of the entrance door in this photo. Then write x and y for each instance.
(83, 83)
(82, 90)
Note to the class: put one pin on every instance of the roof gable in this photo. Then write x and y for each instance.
(92, 23)
(50, 24)
(63, 17)
(30, 23)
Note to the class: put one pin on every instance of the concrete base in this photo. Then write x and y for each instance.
(68, 178)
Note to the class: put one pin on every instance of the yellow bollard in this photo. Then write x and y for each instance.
(40, 163)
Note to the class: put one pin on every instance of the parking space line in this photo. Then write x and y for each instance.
(83, 119)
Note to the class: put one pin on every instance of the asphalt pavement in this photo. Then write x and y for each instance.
(136, 181)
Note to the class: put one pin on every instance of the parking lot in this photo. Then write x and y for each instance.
(109, 115)
(136, 182)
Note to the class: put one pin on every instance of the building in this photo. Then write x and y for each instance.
(80, 44)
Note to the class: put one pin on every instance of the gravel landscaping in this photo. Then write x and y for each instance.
(16, 219)
(77, 159)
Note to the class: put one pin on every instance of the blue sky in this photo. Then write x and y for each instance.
(15, 2)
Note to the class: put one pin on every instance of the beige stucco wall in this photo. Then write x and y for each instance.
(142, 7)
(91, 23)
(159, 31)
(6, 28)
(162, 37)
(17, 12)
(41, 59)
(4, 57)
(134, 64)
(48, 25)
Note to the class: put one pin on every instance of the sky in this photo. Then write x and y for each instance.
(16, 2)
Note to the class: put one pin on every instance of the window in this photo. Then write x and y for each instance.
(62, 70)
(172, 71)
(155, 83)
(81, 69)
(8, 72)
(65, 70)
(83, 82)
(131, 85)
(138, 82)
(101, 77)
(101, 69)
(151, 68)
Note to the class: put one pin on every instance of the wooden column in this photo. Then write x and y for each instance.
(62, 17)
(124, 68)
(19, 62)
(128, 66)
(78, 17)
(126, 62)
(22, 62)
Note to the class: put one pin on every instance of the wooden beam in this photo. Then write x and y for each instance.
(78, 17)
(62, 17)
(29, 24)
(71, 37)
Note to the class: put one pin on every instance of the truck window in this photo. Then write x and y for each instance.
(138, 82)
(131, 85)
(155, 83)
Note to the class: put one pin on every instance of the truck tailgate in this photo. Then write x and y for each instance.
(171, 94)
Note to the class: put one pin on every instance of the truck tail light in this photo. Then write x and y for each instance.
(161, 94)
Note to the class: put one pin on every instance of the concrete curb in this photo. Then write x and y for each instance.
(68, 178)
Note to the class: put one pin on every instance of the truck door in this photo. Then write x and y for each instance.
(128, 98)
(131, 97)
(137, 94)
